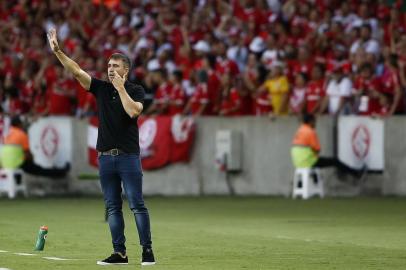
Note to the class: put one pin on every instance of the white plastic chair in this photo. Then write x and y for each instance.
(12, 181)
(307, 182)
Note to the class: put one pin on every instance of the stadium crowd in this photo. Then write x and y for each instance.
(210, 57)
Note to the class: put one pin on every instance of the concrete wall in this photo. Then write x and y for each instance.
(267, 169)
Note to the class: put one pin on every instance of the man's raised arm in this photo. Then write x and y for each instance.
(80, 75)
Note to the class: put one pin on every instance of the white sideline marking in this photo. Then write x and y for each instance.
(57, 259)
(5, 269)
(30, 254)
(25, 254)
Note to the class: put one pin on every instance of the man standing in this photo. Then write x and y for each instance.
(119, 104)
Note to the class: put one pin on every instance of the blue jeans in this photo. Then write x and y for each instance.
(125, 169)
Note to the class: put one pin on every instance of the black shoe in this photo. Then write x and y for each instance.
(114, 259)
(147, 257)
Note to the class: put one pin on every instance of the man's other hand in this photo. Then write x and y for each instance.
(53, 41)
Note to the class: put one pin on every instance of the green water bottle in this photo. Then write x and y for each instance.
(42, 235)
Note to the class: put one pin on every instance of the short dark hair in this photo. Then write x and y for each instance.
(308, 118)
(367, 66)
(211, 59)
(119, 56)
(202, 76)
(162, 71)
(16, 121)
(367, 26)
(304, 76)
(393, 60)
(178, 74)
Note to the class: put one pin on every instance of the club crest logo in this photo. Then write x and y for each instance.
(361, 141)
(49, 141)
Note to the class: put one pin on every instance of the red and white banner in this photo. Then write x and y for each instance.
(361, 142)
(163, 140)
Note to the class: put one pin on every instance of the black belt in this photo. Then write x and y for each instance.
(112, 152)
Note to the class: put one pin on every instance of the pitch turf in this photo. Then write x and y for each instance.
(214, 233)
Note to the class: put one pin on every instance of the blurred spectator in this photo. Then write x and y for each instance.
(298, 93)
(198, 103)
(366, 92)
(391, 84)
(177, 97)
(277, 86)
(370, 45)
(230, 98)
(213, 83)
(315, 90)
(162, 95)
(249, 85)
(338, 93)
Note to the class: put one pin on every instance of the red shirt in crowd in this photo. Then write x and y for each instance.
(369, 103)
(213, 88)
(60, 97)
(40, 102)
(90, 102)
(298, 67)
(27, 93)
(389, 80)
(162, 96)
(178, 97)
(231, 102)
(296, 99)
(199, 98)
(315, 91)
(15, 106)
(332, 64)
(224, 66)
(262, 104)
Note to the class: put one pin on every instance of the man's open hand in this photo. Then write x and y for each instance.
(118, 81)
(53, 41)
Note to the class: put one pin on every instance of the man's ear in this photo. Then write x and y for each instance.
(125, 76)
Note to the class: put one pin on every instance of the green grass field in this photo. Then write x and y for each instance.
(213, 233)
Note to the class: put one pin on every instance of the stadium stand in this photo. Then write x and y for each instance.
(232, 58)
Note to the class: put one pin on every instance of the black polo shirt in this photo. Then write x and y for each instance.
(116, 128)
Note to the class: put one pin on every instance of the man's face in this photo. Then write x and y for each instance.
(116, 65)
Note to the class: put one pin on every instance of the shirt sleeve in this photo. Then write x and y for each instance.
(314, 141)
(25, 144)
(95, 85)
(137, 94)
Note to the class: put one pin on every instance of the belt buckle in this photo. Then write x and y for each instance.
(114, 152)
